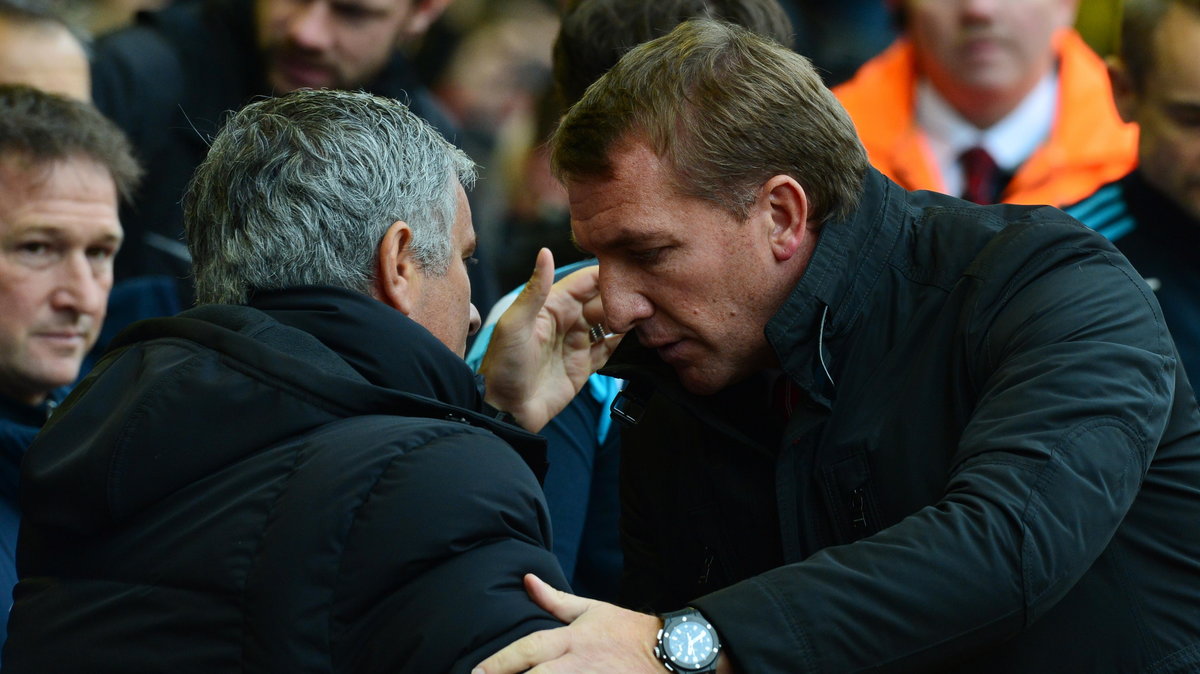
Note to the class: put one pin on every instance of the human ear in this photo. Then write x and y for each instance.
(787, 204)
(397, 279)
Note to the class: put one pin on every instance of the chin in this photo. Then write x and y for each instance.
(701, 383)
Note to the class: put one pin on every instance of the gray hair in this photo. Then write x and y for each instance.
(300, 189)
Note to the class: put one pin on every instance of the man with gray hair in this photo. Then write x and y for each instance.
(299, 474)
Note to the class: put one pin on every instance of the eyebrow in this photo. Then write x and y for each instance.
(623, 239)
(62, 233)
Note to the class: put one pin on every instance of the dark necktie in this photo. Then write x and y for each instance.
(983, 178)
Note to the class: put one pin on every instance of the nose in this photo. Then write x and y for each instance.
(82, 287)
(980, 10)
(625, 305)
(309, 26)
(476, 321)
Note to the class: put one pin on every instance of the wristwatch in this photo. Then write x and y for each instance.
(687, 643)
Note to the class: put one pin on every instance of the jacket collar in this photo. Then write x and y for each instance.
(31, 415)
(848, 260)
(409, 358)
(351, 353)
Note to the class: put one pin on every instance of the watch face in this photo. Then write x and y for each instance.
(689, 645)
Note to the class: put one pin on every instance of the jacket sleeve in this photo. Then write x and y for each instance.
(1074, 374)
(431, 578)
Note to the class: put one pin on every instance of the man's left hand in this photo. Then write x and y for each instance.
(541, 352)
(600, 637)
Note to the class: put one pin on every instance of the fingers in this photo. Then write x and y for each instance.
(562, 605)
(601, 351)
(525, 652)
(531, 299)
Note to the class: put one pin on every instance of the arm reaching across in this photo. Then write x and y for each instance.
(541, 352)
(600, 638)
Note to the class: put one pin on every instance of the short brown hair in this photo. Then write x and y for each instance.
(1139, 21)
(596, 33)
(726, 109)
(47, 127)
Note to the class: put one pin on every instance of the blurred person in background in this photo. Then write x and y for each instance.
(63, 167)
(993, 101)
(39, 47)
(42, 47)
(1153, 213)
(171, 79)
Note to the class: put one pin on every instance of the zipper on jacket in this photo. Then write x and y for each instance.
(858, 508)
(706, 568)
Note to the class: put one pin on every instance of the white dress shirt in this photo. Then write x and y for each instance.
(1010, 141)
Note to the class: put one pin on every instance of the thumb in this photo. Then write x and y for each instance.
(562, 605)
(536, 290)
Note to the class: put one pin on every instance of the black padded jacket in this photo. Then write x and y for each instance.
(301, 486)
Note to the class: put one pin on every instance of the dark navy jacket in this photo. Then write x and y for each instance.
(19, 425)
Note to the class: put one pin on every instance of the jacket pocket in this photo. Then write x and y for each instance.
(850, 498)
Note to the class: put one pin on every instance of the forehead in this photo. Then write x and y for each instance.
(76, 194)
(625, 207)
(1026, 9)
(391, 8)
(43, 55)
(1174, 44)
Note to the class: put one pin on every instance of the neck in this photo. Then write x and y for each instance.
(23, 396)
(984, 109)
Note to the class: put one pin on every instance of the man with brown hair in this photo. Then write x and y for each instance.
(62, 168)
(871, 428)
(582, 443)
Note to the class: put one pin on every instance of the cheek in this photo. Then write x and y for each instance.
(365, 49)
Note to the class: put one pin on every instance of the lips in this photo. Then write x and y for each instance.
(72, 336)
(668, 350)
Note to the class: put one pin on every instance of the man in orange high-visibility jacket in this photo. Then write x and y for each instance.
(1012, 78)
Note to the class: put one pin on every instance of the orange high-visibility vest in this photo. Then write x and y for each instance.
(1088, 146)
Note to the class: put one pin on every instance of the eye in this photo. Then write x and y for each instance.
(101, 252)
(34, 248)
(649, 256)
(470, 260)
(353, 13)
